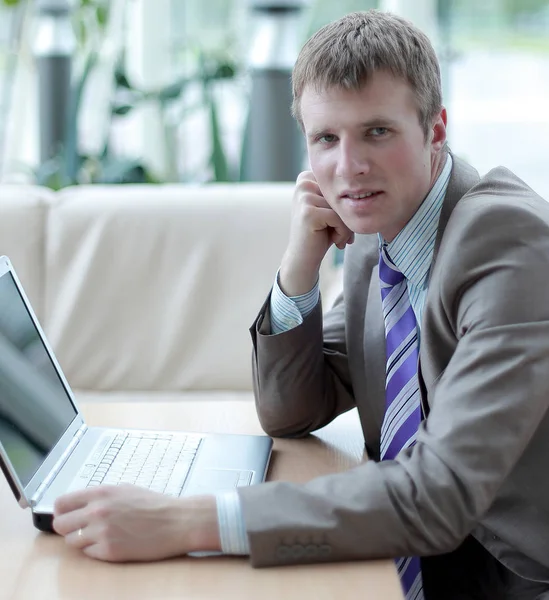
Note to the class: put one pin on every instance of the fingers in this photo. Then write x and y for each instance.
(68, 523)
(305, 176)
(80, 538)
(75, 529)
(74, 515)
(341, 240)
(97, 552)
(74, 511)
(315, 227)
(307, 190)
(309, 194)
(103, 551)
(74, 501)
(341, 235)
(332, 219)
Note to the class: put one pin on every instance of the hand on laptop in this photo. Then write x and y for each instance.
(129, 523)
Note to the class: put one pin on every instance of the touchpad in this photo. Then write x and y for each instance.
(219, 479)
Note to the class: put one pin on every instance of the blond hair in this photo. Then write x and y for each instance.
(348, 51)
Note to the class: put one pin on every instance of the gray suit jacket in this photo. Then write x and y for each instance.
(480, 462)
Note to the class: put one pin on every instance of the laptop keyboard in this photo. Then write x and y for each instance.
(160, 462)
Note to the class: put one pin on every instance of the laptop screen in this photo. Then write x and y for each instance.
(35, 409)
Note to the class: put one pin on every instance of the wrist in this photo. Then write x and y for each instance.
(297, 279)
(202, 523)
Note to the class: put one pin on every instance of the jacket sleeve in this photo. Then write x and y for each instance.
(301, 376)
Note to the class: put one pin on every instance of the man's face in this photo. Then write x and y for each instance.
(370, 141)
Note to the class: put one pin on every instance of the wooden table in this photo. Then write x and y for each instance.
(37, 565)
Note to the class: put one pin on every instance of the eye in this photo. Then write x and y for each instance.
(326, 138)
(377, 131)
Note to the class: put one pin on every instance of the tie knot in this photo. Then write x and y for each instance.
(389, 274)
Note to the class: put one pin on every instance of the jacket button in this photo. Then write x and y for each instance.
(283, 553)
(297, 551)
(325, 550)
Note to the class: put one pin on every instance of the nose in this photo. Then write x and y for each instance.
(352, 160)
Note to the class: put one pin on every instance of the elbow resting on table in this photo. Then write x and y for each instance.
(279, 428)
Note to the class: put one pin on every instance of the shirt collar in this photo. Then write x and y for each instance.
(413, 247)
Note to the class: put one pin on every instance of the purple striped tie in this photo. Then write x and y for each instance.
(402, 400)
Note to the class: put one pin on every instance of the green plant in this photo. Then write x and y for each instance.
(69, 167)
(211, 68)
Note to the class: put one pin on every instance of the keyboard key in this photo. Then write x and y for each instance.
(160, 462)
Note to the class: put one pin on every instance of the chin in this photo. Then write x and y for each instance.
(362, 227)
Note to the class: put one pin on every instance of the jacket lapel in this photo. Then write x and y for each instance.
(374, 365)
(462, 179)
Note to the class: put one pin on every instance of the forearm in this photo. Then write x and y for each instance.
(296, 276)
(298, 388)
(347, 516)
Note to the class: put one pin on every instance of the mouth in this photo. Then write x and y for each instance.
(360, 196)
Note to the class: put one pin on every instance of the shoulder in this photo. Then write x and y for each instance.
(500, 209)
(494, 248)
(501, 190)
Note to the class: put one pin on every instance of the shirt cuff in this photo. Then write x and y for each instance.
(288, 312)
(232, 529)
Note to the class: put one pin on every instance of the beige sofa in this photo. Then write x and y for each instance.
(147, 292)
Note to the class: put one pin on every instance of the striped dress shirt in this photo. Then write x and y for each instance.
(412, 252)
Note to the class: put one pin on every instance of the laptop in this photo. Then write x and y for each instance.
(47, 450)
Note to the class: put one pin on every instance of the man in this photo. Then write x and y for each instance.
(441, 265)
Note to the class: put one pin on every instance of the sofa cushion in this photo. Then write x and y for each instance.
(155, 287)
(22, 236)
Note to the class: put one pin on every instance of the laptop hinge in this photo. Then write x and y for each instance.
(58, 465)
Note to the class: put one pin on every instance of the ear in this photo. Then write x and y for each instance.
(438, 131)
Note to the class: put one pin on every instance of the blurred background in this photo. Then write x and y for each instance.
(197, 91)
